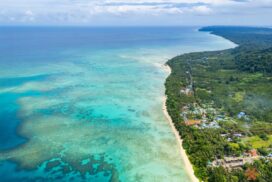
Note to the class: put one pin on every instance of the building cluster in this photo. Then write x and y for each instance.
(231, 136)
(187, 90)
(236, 162)
(201, 117)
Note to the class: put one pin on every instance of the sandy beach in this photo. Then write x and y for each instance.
(187, 164)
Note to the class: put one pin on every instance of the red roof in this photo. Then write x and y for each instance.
(191, 122)
(253, 152)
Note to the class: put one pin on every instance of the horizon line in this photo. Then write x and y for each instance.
(128, 26)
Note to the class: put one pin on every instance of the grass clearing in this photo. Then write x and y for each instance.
(257, 142)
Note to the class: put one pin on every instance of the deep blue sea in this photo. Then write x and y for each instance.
(85, 104)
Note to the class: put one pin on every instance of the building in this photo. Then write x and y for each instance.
(241, 115)
(213, 124)
(192, 122)
(253, 153)
(239, 135)
(187, 91)
(229, 162)
(233, 162)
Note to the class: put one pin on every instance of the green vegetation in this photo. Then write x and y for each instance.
(258, 142)
(230, 91)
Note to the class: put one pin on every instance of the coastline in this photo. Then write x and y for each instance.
(187, 164)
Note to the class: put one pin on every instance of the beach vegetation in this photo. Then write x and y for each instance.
(229, 93)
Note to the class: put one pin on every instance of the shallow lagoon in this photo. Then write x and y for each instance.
(86, 103)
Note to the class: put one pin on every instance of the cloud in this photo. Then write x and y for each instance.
(202, 9)
(29, 13)
(134, 9)
(117, 11)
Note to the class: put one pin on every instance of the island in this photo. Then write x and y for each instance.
(221, 105)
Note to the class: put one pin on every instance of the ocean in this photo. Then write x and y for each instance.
(85, 103)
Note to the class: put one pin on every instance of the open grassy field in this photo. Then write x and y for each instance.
(257, 142)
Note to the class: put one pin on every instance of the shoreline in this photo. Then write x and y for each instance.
(187, 164)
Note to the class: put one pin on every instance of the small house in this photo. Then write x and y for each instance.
(237, 135)
(241, 115)
(192, 122)
(253, 153)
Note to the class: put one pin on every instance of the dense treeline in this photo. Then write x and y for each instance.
(251, 37)
(255, 61)
(232, 80)
(255, 52)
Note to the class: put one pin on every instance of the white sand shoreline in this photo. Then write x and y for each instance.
(188, 166)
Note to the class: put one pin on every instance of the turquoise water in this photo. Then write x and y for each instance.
(86, 103)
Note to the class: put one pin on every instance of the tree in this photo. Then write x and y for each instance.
(217, 174)
(251, 174)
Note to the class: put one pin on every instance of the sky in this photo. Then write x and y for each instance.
(136, 12)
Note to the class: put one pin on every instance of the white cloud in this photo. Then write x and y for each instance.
(29, 13)
(112, 11)
(202, 9)
(134, 9)
(169, 1)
